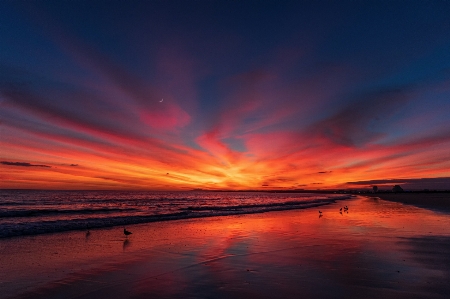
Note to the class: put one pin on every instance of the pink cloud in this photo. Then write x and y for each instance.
(212, 143)
(169, 117)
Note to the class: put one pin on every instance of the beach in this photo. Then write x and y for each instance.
(438, 201)
(376, 249)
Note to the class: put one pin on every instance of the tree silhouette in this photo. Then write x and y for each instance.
(397, 188)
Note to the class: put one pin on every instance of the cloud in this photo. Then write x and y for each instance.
(363, 120)
(70, 112)
(71, 122)
(23, 164)
(211, 142)
(170, 117)
(274, 119)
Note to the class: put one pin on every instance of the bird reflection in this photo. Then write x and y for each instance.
(126, 243)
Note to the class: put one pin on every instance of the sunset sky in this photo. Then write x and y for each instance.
(176, 95)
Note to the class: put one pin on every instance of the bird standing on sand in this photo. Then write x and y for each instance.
(320, 212)
(126, 233)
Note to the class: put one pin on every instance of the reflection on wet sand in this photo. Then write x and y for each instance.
(126, 243)
(381, 249)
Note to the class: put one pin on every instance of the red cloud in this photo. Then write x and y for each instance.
(169, 117)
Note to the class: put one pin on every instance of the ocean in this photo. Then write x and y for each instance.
(31, 212)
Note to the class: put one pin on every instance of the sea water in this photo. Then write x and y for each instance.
(31, 212)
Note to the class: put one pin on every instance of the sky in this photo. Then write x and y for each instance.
(254, 95)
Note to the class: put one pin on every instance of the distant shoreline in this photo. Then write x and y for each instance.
(439, 201)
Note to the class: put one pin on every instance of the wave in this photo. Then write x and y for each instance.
(47, 212)
(255, 206)
(42, 227)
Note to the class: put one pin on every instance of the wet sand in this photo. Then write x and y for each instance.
(379, 249)
(435, 201)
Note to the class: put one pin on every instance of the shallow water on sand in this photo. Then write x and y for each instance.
(376, 249)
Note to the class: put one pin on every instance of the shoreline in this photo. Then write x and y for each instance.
(437, 201)
(189, 213)
(378, 249)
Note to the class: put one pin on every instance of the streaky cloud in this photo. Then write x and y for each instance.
(362, 121)
(23, 164)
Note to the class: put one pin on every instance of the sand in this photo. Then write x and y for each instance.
(436, 201)
(379, 249)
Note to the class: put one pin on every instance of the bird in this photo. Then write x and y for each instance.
(320, 212)
(340, 209)
(161, 100)
(126, 233)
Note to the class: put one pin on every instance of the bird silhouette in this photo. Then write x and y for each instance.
(126, 233)
(320, 212)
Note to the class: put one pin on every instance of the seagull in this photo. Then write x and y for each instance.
(340, 209)
(161, 100)
(126, 233)
(320, 212)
